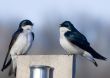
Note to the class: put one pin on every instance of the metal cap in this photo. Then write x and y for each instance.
(41, 71)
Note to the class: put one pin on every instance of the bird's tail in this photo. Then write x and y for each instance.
(5, 65)
(95, 54)
(90, 58)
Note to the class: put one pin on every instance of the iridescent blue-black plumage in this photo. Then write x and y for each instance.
(75, 37)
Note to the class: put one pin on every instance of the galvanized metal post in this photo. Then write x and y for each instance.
(74, 67)
(41, 72)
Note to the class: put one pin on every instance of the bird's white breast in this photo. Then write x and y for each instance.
(22, 43)
(68, 46)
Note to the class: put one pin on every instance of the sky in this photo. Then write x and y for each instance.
(37, 10)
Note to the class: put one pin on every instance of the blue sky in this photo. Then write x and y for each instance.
(37, 10)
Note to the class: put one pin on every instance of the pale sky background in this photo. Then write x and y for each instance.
(90, 17)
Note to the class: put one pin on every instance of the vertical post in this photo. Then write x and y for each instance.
(74, 66)
(41, 72)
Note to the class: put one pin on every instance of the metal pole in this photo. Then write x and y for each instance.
(41, 72)
(74, 66)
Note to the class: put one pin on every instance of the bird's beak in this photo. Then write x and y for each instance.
(32, 24)
(60, 25)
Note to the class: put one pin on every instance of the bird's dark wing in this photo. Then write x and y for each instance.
(14, 37)
(80, 40)
(77, 39)
(33, 35)
(8, 62)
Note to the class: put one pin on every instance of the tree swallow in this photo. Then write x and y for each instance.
(20, 44)
(76, 43)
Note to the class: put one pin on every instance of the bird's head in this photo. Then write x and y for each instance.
(26, 25)
(67, 26)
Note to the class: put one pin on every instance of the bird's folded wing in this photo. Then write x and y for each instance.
(8, 61)
(32, 35)
(78, 39)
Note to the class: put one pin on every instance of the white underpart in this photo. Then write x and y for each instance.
(68, 46)
(22, 44)
(88, 56)
(27, 27)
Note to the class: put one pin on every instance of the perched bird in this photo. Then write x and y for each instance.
(20, 44)
(76, 43)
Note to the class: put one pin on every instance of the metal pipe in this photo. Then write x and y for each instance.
(41, 71)
(74, 66)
